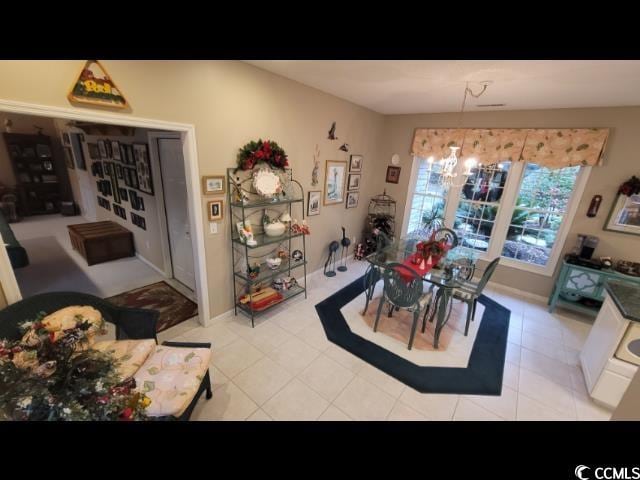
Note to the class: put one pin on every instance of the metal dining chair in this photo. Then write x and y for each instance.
(469, 292)
(402, 293)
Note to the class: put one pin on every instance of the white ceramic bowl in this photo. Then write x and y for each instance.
(274, 229)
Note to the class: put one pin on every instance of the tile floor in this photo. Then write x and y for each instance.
(286, 369)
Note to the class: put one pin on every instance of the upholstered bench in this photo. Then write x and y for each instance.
(173, 375)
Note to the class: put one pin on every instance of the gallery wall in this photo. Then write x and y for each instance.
(231, 103)
(620, 163)
(147, 242)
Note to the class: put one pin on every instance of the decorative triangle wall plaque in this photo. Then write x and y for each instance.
(94, 86)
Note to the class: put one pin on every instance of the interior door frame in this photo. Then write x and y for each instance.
(192, 172)
(158, 187)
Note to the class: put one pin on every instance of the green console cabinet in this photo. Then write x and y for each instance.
(575, 282)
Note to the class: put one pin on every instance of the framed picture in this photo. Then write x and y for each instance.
(214, 207)
(94, 152)
(143, 168)
(352, 199)
(115, 150)
(625, 215)
(334, 181)
(355, 163)
(393, 174)
(133, 199)
(78, 152)
(213, 185)
(130, 159)
(313, 205)
(102, 148)
(354, 182)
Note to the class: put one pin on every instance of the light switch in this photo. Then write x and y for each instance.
(213, 227)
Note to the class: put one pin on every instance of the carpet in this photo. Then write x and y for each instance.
(399, 327)
(174, 307)
(482, 376)
(51, 269)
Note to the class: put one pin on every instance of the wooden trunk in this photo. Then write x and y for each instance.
(100, 242)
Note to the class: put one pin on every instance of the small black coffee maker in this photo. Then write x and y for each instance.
(585, 246)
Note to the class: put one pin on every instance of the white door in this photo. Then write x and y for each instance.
(177, 210)
(86, 183)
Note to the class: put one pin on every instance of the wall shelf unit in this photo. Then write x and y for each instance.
(38, 173)
(253, 278)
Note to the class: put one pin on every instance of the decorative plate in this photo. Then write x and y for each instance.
(266, 183)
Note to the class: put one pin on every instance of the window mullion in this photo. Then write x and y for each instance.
(505, 210)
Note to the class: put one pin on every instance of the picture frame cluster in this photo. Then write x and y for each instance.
(122, 171)
(214, 185)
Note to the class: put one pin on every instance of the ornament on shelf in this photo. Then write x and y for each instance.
(245, 233)
(283, 254)
(253, 270)
(297, 255)
(302, 228)
(284, 283)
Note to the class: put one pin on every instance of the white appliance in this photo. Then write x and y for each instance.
(629, 348)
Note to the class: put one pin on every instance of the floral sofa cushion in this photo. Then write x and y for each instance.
(130, 354)
(170, 377)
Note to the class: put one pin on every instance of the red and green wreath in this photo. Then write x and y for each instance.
(265, 151)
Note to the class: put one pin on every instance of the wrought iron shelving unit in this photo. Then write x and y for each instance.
(253, 207)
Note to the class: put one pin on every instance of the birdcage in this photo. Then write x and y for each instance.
(381, 217)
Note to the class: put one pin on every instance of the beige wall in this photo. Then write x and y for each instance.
(621, 161)
(230, 103)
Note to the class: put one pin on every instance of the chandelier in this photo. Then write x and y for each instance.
(448, 172)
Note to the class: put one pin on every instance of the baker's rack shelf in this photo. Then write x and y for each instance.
(247, 206)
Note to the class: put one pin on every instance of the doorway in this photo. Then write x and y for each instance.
(186, 133)
(167, 153)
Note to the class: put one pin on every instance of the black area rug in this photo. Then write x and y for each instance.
(483, 375)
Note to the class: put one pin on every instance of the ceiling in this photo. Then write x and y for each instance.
(431, 86)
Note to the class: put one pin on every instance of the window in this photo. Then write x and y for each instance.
(542, 202)
(479, 203)
(517, 211)
(429, 196)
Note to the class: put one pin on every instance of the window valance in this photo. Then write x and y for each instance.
(551, 148)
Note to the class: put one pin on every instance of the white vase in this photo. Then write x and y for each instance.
(274, 229)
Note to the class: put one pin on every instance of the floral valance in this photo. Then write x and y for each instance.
(490, 146)
(435, 142)
(551, 148)
(565, 147)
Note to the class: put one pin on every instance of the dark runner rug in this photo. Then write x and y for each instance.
(174, 307)
(483, 375)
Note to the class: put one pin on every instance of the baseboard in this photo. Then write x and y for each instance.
(517, 291)
(217, 318)
(147, 262)
(321, 270)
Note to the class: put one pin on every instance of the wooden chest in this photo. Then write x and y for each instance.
(100, 242)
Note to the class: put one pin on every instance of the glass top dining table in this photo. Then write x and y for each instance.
(451, 272)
